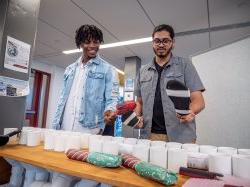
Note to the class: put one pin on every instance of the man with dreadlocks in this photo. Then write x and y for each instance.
(90, 91)
(89, 96)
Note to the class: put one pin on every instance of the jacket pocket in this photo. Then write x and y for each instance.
(145, 79)
(95, 75)
(146, 83)
(176, 76)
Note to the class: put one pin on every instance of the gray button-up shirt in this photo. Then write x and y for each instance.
(179, 69)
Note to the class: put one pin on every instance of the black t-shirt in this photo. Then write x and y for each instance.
(158, 121)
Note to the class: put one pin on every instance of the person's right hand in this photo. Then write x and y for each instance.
(109, 117)
(140, 124)
(186, 118)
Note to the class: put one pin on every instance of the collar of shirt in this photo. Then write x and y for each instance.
(92, 60)
(153, 63)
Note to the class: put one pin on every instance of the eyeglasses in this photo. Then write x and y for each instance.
(164, 41)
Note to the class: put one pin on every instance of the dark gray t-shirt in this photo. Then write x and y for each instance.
(180, 69)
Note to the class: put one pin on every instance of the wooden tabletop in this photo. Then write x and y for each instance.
(55, 161)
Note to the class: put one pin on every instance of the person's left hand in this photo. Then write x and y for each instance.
(186, 118)
(140, 124)
(109, 117)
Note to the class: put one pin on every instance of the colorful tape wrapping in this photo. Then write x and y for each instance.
(95, 158)
(148, 170)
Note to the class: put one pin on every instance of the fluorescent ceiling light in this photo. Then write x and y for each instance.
(72, 51)
(128, 42)
(119, 71)
(116, 44)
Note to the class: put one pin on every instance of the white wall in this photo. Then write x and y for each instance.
(56, 84)
(225, 72)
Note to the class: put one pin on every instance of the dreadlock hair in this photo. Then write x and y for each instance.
(87, 32)
(164, 27)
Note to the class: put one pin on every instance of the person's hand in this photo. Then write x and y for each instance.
(140, 124)
(109, 117)
(186, 118)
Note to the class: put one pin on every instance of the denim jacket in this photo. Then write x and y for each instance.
(100, 93)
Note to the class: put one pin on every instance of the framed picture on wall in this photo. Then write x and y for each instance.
(17, 55)
(129, 85)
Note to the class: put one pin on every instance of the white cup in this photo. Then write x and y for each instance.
(125, 148)
(33, 138)
(158, 143)
(208, 149)
(73, 142)
(43, 130)
(131, 141)
(118, 139)
(49, 139)
(94, 137)
(177, 158)
(110, 147)
(197, 160)
(95, 145)
(158, 156)
(60, 139)
(244, 151)
(174, 145)
(106, 138)
(189, 147)
(220, 163)
(227, 150)
(23, 137)
(141, 152)
(85, 140)
(241, 166)
(144, 142)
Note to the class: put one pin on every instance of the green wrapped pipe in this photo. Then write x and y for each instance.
(104, 160)
(156, 173)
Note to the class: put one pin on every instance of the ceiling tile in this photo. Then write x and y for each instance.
(67, 17)
(42, 49)
(223, 12)
(53, 38)
(182, 15)
(124, 19)
(224, 37)
(186, 46)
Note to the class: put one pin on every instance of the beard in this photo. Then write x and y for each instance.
(163, 54)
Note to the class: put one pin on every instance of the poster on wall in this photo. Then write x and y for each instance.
(13, 87)
(17, 55)
(129, 85)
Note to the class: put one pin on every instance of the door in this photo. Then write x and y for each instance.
(37, 100)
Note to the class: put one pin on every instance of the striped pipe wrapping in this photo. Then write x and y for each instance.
(95, 158)
(180, 96)
(148, 170)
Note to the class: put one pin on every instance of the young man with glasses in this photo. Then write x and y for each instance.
(161, 122)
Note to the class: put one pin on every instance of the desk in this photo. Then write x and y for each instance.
(55, 161)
